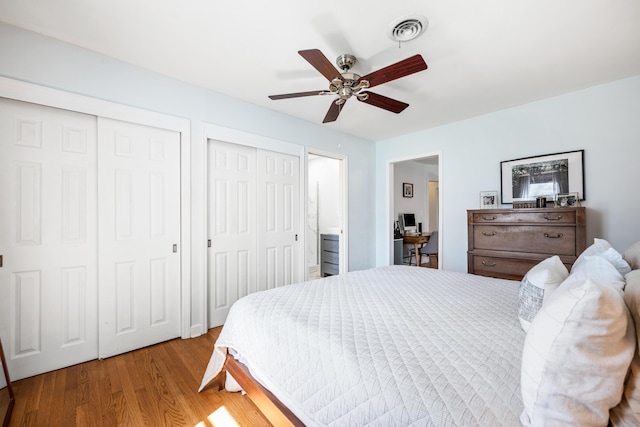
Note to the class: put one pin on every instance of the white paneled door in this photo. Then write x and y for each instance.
(253, 223)
(279, 242)
(231, 260)
(139, 240)
(89, 236)
(48, 237)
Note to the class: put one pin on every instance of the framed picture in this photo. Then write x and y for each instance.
(488, 200)
(530, 177)
(407, 189)
(567, 200)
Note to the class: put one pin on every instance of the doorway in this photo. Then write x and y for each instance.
(326, 215)
(423, 175)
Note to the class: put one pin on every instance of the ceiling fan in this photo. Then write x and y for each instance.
(344, 84)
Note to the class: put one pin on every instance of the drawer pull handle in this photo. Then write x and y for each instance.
(548, 218)
(489, 218)
(493, 233)
(486, 264)
(557, 236)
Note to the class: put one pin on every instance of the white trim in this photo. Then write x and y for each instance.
(35, 94)
(390, 202)
(236, 136)
(344, 168)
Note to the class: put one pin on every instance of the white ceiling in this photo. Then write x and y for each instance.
(483, 56)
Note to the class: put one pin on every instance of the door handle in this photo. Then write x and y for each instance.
(175, 248)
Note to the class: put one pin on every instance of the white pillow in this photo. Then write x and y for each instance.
(575, 357)
(632, 256)
(596, 268)
(601, 247)
(627, 413)
(537, 285)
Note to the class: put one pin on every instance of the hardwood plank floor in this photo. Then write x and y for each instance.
(153, 386)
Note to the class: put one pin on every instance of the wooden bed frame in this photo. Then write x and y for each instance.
(270, 406)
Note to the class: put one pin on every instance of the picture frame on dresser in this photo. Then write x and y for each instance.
(488, 200)
(567, 200)
(547, 175)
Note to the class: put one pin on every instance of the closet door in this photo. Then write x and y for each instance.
(279, 242)
(139, 235)
(48, 239)
(231, 259)
(253, 223)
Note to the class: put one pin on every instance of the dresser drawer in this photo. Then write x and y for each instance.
(519, 216)
(538, 239)
(331, 257)
(329, 269)
(503, 268)
(330, 245)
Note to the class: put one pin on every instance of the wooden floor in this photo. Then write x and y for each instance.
(153, 386)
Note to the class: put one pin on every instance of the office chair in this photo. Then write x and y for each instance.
(430, 249)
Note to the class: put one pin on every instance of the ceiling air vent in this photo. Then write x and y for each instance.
(407, 28)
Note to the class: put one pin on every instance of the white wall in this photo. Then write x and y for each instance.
(30, 57)
(326, 172)
(602, 120)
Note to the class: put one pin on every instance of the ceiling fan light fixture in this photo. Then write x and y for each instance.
(407, 28)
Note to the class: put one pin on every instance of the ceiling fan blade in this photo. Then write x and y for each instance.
(321, 63)
(395, 71)
(384, 102)
(300, 94)
(334, 111)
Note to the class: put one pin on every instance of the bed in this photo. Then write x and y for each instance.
(409, 346)
(393, 345)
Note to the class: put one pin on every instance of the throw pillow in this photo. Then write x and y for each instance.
(596, 268)
(576, 356)
(601, 247)
(632, 256)
(537, 285)
(627, 413)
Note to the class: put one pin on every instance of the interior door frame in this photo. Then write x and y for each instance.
(235, 136)
(344, 167)
(391, 187)
(36, 94)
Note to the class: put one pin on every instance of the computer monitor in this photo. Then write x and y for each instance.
(408, 223)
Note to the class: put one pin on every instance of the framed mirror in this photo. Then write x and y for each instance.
(7, 398)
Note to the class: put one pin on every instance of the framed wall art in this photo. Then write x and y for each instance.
(407, 189)
(531, 177)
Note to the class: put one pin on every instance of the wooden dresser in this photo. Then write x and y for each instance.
(506, 243)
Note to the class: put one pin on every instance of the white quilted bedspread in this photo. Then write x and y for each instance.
(390, 346)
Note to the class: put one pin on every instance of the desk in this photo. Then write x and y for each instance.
(417, 240)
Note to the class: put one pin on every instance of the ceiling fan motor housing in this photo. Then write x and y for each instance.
(345, 62)
(349, 85)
